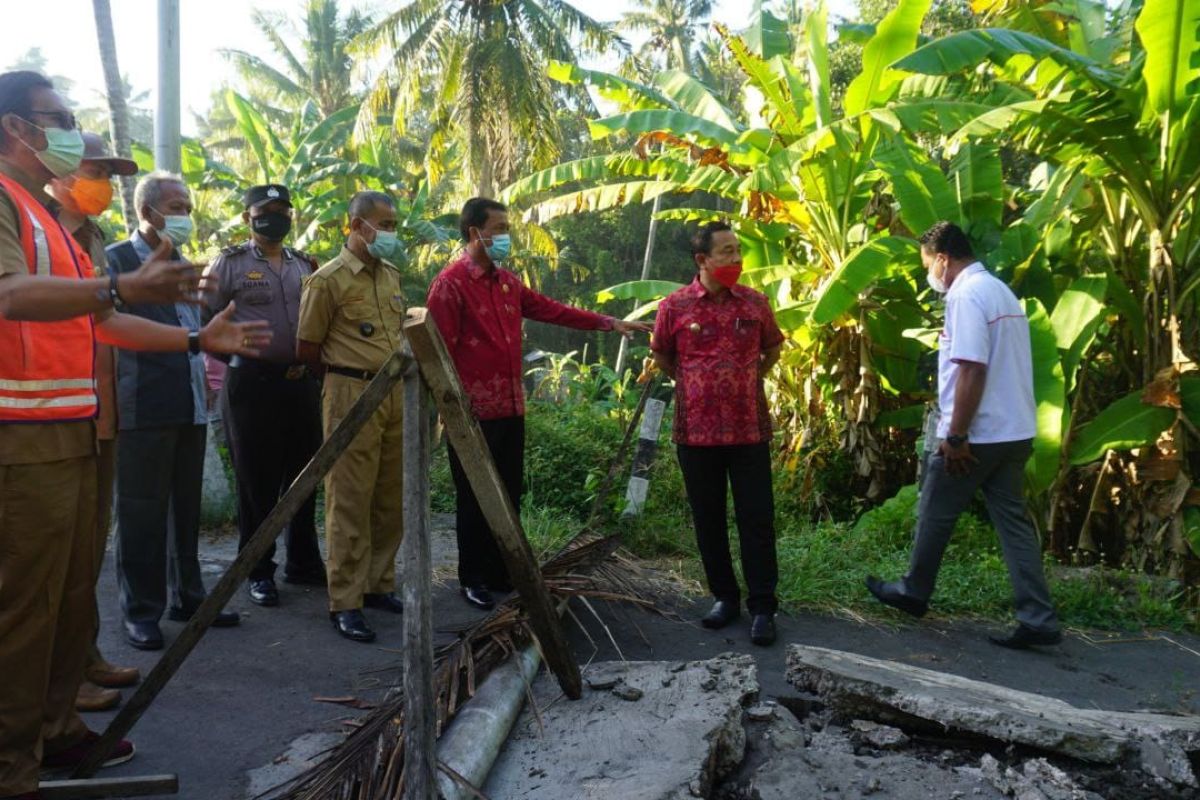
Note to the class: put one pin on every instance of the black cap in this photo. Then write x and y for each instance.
(256, 196)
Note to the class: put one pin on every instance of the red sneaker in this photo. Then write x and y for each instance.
(73, 756)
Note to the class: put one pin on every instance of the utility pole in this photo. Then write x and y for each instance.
(646, 259)
(167, 144)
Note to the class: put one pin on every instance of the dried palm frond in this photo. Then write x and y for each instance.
(369, 763)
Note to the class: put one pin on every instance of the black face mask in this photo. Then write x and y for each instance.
(272, 225)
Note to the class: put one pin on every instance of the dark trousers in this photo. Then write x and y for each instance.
(746, 469)
(999, 472)
(479, 559)
(159, 475)
(273, 427)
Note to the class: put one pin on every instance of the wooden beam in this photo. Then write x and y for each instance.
(464, 433)
(304, 485)
(420, 717)
(136, 786)
(899, 694)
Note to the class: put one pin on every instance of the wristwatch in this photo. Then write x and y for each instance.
(114, 292)
(956, 441)
(194, 342)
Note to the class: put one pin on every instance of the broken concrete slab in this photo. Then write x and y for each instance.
(1037, 779)
(673, 743)
(787, 761)
(896, 693)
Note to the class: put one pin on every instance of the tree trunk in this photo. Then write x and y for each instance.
(118, 113)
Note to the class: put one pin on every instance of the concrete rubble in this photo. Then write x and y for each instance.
(634, 735)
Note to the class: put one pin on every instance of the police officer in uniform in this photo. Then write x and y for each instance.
(271, 404)
(350, 324)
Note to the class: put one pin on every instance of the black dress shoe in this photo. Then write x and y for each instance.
(889, 594)
(722, 613)
(144, 635)
(263, 592)
(306, 577)
(479, 597)
(385, 602)
(225, 619)
(762, 630)
(353, 625)
(1023, 637)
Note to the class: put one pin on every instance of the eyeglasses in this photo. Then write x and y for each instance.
(62, 119)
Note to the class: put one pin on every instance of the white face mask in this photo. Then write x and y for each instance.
(936, 282)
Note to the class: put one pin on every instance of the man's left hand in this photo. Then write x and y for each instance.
(958, 459)
(221, 335)
(627, 329)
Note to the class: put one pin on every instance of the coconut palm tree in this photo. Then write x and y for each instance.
(118, 112)
(319, 71)
(484, 65)
(671, 27)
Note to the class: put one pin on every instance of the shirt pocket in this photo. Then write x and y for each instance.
(358, 311)
(254, 293)
(747, 336)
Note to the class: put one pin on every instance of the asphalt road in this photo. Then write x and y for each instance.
(241, 716)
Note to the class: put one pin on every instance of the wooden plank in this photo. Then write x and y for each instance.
(463, 431)
(862, 686)
(420, 719)
(304, 485)
(135, 786)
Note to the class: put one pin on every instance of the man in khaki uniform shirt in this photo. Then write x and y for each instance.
(351, 314)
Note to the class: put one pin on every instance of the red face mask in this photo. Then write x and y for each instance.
(727, 274)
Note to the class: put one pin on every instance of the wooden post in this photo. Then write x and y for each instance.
(304, 485)
(463, 431)
(420, 719)
(139, 786)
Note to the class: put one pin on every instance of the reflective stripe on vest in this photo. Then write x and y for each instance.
(41, 247)
(47, 369)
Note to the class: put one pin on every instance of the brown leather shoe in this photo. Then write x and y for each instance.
(109, 676)
(96, 698)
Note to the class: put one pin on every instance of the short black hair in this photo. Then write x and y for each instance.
(363, 203)
(475, 213)
(16, 95)
(946, 237)
(703, 237)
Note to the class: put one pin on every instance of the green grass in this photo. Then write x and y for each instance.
(822, 564)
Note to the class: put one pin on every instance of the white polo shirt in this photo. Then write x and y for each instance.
(986, 323)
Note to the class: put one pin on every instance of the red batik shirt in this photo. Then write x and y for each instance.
(479, 313)
(717, 341)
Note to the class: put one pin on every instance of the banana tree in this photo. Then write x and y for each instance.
(1120, 110)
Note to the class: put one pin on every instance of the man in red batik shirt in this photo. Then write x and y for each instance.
(478, 307)
(718, 340)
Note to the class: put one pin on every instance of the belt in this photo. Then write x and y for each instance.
(361, 374)
(271, 369)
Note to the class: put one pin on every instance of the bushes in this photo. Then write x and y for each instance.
(821, 564)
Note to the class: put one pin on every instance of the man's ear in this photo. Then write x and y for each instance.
(246, 216)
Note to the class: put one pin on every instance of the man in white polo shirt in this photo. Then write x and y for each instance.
(985, 388)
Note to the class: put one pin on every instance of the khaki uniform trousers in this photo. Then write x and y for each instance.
(364, 505)
(47, 610)
(106, 474)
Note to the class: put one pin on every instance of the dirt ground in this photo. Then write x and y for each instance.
(242, 714)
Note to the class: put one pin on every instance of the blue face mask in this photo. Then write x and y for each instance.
(64, 150)
(500, 247)
(176, 227)
(386, 243)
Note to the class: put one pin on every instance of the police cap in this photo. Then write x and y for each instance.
(260, 195)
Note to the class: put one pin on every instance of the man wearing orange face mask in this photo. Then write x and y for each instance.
(717, 340)
(85, 194)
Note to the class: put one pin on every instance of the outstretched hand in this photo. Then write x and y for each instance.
(627, 329)
(222, 335)
(161, 281)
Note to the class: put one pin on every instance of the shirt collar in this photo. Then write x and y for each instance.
(261, 256)
(142, 247)
(28, 184)
(352, 261)
(970, 269)
(475, 270)
(696, 289)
